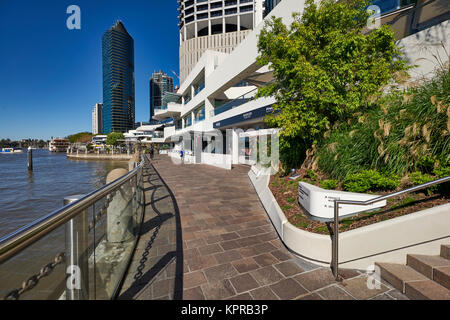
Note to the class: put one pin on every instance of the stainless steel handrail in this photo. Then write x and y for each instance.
(337, 202)
(25, 236)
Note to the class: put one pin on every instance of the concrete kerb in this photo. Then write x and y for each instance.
(388, 241)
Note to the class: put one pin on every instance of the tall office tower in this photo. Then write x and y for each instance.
(269, 5)
(160, 83)
(214, 25)
(118, 79)
(97, 119)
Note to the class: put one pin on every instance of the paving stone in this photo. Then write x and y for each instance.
(281, 255)
(193, 294)
(334, 293)
(220, 272)
(210, 249)
(263, 293)
(358, 288)
(193, 279)
(311, 296)
(218, 290)
(243, 296)
(288, 268)
(288, 289)
(245, 265)
(316, 279)
(227, 256)
(267, 275)
(265, 259)
(244, 282)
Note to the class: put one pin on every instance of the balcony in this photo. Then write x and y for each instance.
(171, 110)
(236, 102)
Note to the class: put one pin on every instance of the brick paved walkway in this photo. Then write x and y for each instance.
(206, 236)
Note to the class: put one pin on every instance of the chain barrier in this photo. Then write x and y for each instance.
(34, 279)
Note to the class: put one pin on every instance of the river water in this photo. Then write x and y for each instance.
(26, 196)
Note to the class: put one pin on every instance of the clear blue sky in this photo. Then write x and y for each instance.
(51, 77)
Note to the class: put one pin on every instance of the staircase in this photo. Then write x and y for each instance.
(423, 278)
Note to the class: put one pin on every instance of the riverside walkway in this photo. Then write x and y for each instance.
(206, 236)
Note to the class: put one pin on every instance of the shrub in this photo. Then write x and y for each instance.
(370, 180)
(405, 131)
(418, 178)
(329, 184)
(426, 164)
(311, 174)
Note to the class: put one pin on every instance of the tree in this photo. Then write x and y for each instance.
(112, 139)
(81, 137)
(326, 67)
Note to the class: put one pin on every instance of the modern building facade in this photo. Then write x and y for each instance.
(97, 119)
(269, 5)
(118, 80)
(218, 95)
(160, 84)
(214, 25)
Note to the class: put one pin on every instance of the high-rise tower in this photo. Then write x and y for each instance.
(160, 83)
(118, 79)
(97, 119)
(215, 25)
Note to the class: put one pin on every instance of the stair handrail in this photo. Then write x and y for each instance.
(337, 202)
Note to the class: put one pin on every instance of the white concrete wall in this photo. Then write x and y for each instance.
(388, 241)
(421, 48)
(218, 160)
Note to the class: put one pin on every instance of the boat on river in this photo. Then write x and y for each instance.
(10, 150)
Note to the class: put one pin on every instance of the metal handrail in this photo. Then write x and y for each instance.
(18, 240)
(223, 108)
(337, 202)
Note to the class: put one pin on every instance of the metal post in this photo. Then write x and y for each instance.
(77, 253)
(335, 255)
(30, 159)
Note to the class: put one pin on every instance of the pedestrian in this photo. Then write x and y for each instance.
(182, 155)
(152, 151)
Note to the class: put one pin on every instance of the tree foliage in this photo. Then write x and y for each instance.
(326, 66)
(112, 139)
(82, 137)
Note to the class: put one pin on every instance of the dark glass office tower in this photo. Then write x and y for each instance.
(269, 5)
(160, 83)
(118, 79)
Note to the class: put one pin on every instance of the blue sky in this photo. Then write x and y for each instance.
(51, 77)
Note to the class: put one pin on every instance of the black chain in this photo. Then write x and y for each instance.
(32, 281)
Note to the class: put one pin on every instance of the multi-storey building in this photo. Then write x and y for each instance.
(118, 79)
(218, 25)
(218, 95)
(97, 119)
(160, 84)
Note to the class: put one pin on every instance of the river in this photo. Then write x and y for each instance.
(26, 196)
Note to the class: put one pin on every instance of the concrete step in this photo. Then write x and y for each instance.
(426, 290)
(442, 276)
(398, 274)
(445, 251)
(426, 264)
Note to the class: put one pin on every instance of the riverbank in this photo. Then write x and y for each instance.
(92, 156)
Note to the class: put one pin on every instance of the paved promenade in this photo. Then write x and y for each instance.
(206, 236)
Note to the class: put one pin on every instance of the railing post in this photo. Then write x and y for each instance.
(77, 287)
(335, 253)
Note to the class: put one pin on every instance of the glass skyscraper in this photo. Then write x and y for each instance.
(160, 83)
(118, 79)
(269, 5)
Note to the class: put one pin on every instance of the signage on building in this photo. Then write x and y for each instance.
(319, 203)
(254, 114)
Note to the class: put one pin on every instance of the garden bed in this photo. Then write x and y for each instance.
(285, 192)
